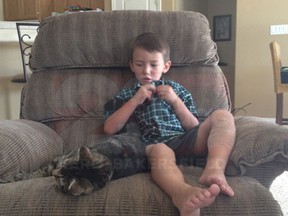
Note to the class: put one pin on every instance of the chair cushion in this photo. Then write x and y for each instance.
(25, 146)
(258, 141)
(85, 40)
(134, 195)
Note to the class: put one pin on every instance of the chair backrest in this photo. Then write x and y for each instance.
(80, 61)
(279, 87)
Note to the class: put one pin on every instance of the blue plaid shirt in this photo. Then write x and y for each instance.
(155, 118)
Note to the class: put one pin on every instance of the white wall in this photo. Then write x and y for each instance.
(254, 76)
(10, 65)
(193, 5)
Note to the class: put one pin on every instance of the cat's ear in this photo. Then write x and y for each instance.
(57, 173)
(85, 154)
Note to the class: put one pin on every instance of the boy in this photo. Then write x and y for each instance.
(167, 118)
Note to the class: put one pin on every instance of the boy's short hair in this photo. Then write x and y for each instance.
(151, 42)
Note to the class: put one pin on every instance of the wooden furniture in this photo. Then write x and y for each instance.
(26, 9)
(39, 9)
(59, 6)
(279, 87)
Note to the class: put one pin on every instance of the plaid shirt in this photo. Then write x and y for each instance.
(155, 118)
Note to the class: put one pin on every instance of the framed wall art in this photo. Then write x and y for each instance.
(222, 28)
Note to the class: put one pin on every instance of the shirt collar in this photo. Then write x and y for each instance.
(155, 83)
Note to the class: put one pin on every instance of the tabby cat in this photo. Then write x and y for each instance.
(90, 168)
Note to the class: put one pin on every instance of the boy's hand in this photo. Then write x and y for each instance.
(166, 93)
(144, 92)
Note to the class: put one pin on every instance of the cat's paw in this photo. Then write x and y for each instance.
(20, 176)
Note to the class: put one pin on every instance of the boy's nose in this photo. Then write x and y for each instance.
(147, 69)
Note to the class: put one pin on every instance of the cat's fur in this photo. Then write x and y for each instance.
(90, 168)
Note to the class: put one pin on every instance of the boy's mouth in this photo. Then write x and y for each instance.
(147, 80)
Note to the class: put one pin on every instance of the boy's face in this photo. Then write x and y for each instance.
(148, 66)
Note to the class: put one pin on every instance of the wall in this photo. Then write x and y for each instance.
(10, 66)
(253, 71)
(193, 5)
(248, 54)
(226, 49)
(211, 8)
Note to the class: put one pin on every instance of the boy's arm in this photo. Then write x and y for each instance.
(119, 118)
(187, 119)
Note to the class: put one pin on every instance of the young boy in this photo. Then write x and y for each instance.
(167, 118)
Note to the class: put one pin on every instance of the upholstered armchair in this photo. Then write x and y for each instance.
(79, 61)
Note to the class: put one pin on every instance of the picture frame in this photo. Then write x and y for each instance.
(222, 28)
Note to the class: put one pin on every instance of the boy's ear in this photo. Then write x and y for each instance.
(167, 66)
(131, 65)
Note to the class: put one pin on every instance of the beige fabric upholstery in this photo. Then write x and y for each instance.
(76, 98)
(257, 145)
(102, 45)
(90, 64)
(26, 146)
(134, 195)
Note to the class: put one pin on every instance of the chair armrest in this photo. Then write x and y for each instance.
(257, 142)
(25, 146)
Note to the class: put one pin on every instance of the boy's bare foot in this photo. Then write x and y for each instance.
(217, 177)
(190, 199)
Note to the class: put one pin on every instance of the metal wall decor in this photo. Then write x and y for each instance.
(25, 48)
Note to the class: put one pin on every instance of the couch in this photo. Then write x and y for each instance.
(79, 61)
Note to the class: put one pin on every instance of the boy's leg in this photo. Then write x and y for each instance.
(167, 175)
(217, 136)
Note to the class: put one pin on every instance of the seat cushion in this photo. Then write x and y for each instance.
(258, 142)
(130, 196)
(25, 146)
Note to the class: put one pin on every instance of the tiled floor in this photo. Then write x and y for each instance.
(273, 121)
(279, 187)
(279, 190)
(270, 120)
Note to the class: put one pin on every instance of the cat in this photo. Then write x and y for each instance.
(90, 168)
